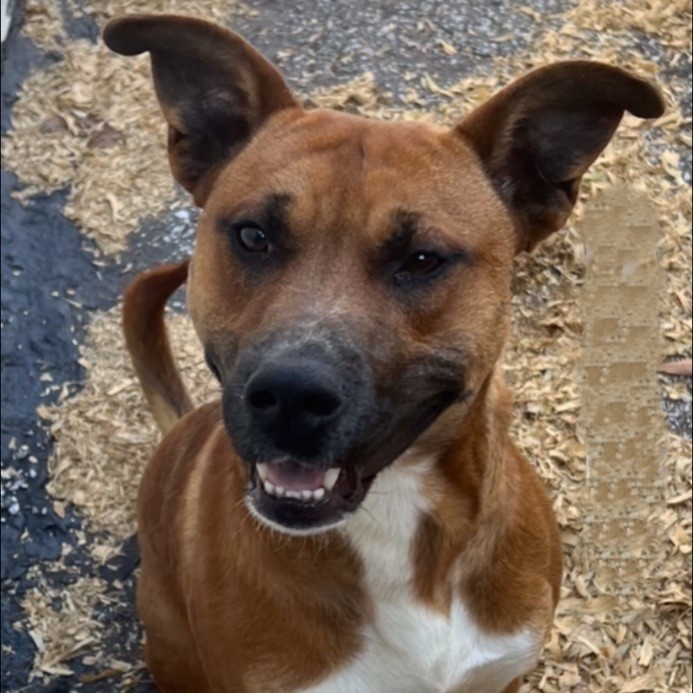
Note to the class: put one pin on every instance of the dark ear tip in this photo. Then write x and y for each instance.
(631, 92)
(651, 102)
(124, 35)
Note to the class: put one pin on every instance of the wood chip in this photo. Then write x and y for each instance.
(682, 367)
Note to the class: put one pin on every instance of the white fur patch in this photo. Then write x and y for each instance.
(409, 648)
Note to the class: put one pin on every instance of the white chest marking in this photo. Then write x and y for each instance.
(407, 648)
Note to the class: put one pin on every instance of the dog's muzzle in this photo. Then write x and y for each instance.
(294, 408)
(304, 416)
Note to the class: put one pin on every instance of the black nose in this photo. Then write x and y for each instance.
(292, 399)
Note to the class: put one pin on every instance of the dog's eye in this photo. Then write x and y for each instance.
(253, 239)
(421, 264)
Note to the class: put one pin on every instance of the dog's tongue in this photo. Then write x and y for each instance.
(295, 477)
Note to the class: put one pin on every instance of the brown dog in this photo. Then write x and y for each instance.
(352, 516)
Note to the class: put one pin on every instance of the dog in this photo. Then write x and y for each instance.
(352, 515)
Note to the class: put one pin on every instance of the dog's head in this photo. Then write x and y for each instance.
(350, 281)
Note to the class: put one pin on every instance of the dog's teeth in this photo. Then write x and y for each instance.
(304, 494)
(331, 476)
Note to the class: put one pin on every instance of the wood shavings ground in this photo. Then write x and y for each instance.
(669, 20)
(362, 96)
(61, 623)
(104, 435)
(44, 24)
(679, 367)
(58, 139)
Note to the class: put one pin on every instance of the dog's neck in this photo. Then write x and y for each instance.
(469, 447)
(482, 448)
(425, 510)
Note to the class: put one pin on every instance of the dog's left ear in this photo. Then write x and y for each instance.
(537, 137)
(214, 88)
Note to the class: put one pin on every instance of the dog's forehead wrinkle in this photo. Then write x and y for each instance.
(313, 139)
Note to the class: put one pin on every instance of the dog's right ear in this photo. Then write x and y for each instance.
(214, 88)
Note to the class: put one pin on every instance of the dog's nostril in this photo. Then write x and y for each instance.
(262, 399)
(321, 404)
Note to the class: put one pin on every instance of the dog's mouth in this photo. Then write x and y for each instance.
(289, 479)
(304, 499)
(298, 498)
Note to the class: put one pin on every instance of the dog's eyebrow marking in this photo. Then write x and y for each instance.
(270, 210)
(405, 224)
(274, 210)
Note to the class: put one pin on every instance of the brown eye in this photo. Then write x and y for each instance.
(253, 239)
(421, 263)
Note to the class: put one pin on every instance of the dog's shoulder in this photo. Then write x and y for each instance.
(168, 471)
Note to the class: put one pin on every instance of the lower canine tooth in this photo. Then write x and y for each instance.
(318, 493)
(331, 476)
(269, 487)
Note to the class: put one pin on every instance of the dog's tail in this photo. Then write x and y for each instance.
(147, 342)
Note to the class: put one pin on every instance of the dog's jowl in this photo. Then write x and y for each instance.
(352, 516)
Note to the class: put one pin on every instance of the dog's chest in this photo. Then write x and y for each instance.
(408, 647)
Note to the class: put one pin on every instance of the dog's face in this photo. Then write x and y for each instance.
(341, 318)
(350, 280)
